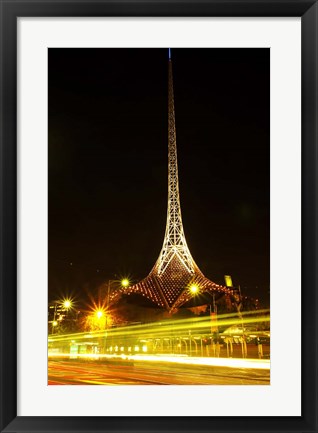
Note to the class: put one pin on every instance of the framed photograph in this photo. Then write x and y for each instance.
(158, 216)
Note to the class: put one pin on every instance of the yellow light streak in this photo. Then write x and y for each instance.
(215, 362)
(201, 324)
(259, 364)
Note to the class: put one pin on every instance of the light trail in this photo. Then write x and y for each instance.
(172, 327)
(213, 362)
(260, 364)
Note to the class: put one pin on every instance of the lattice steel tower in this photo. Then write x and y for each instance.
(175, 277)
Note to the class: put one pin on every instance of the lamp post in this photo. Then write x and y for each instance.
(65, 304)
(237, 295)
(54, 321)
(124, 283)
(214, 328)
(194, 290)
(100, 321)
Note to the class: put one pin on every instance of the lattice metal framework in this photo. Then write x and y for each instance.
(174, 243)
(168, 283)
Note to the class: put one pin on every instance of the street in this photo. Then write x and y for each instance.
(79, 372)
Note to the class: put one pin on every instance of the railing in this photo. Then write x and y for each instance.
(188, 337)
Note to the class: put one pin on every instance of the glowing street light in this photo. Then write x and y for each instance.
(125, 282)
(62, 308)
(67, 304)
(99, 314)
(54, 325)
(194, 289)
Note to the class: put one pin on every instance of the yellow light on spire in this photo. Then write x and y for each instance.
(228, 280)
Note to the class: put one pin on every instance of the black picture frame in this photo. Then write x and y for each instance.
(10, 11)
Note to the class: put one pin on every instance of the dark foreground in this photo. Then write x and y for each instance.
(80, 372)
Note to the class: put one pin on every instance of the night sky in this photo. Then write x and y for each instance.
(108, 164)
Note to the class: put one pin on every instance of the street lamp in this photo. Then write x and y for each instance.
(124, 283)
(99, 314)
(67, 304)
(54, 325)
(194, 288)
(63, 304)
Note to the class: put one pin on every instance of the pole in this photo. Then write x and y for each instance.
(243, 341)
(108, 293)
(214, 326)
(54, 317)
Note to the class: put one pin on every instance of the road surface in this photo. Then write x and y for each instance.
(79, 372)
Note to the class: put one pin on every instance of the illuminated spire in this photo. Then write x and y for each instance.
(175, 277)
(174, 242)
